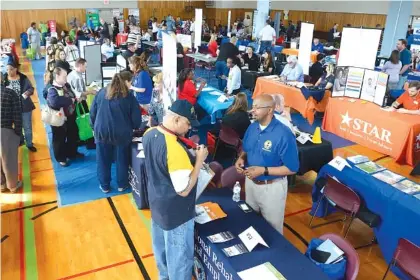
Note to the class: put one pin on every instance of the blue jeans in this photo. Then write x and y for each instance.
(174, 251)
(265, 45)
(104, 157)
(401, 82)
(222, 69)
(27, 128)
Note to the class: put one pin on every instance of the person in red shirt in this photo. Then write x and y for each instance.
(187, 90)
(409, 100)
(212, 46)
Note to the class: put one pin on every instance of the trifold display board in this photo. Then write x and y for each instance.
(169, 70)
(108, 70)
(82, 45)
(360, 83)
(359, 47)
(305, 46)
(184, 40)
(93, 58)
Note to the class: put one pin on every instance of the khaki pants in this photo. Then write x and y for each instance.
(9, 146)
(269, 200)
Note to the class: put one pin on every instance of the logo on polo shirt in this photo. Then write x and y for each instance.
(267, 146)
(367, 131)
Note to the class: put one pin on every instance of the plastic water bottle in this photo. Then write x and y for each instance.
(236, 192)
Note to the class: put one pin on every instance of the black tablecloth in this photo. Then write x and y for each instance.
(249, 78)
(314, 156)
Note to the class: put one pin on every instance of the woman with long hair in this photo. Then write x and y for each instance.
(212, 46)
(268, 65)
(393, 68)
(65, 137)
(142, 83)
(61, 62)
(327, 80)
(23, 88)
(114, 115)
(236, 116)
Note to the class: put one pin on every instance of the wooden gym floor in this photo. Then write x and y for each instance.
(110, 239)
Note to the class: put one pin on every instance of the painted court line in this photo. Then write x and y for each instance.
(147, 256)
(296, 234)
(26, 207)
(35, 160)
(297, 212)
(96, 270)
(37, 171)
(43, 213)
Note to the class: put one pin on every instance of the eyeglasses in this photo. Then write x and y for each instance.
(259, 108)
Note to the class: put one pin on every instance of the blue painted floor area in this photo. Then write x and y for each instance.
(77, 183)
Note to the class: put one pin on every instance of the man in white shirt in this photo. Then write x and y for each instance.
(35, 40)
(292, 71)
(76, 81)
(267, 36)
(234, 78)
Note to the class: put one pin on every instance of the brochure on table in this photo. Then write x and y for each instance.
(207, 212)
(264, 271)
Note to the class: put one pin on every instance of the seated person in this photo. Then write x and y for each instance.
(327, 80)
(409, 100)
(317, 46)
(237, 116)
(234, 78)
(251, 59)
(292, 71)
(281, 113)
(316, 71)
(147, 36)
(212, 45)
(268, 65)
(107, 50)
(187, 90)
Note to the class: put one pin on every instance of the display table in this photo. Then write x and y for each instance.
(121, 38)
(209, 103)
(214, 264)
(296, 52)
(249, 78)
(314, 156)
(413, 77)
(293, 97)
(202, 57)
(391, 133)
(399, 212)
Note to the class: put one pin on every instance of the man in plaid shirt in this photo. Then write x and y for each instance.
(11, 130)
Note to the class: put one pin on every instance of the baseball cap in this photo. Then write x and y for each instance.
(185, 109)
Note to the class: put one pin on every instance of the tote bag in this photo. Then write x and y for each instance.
(52, 117)
(83, 123)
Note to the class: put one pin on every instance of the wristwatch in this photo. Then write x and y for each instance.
(266, 171)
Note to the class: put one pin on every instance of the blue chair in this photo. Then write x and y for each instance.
(225, 40)
(277, 49)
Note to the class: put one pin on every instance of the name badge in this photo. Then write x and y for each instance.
(415, 102)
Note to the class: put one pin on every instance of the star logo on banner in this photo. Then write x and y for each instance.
(418, 138)
(346, 119)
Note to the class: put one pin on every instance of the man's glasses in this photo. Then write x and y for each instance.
(259, 107)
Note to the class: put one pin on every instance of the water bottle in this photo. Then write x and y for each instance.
(236, 192)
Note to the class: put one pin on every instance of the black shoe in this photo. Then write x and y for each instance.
(32, 149)
(64, 163)
(77, 155)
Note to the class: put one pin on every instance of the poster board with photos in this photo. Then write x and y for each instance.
(380, 92)
(341, 73)
(369, 85)
(354, 82)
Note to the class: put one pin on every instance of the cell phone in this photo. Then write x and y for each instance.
(245, 207)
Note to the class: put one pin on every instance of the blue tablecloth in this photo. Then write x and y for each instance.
(412, 77)
(210, 104)
(399, 212)
(316, 94)
(281, 254)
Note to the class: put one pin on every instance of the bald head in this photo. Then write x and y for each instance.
(265, 100)
(263, 108)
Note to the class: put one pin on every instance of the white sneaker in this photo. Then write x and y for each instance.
(121, 189)
(18, 186)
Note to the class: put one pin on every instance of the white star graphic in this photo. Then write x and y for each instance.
(418, 138)
(346, 118)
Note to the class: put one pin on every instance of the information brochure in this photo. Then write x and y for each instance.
(221, 237)
(358, 159)
(329, 247)
(388, 177)
(235, 250)
(208, 212)
(264, 271)
(370, 167)
(407, 186)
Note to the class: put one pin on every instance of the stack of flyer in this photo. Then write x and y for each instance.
(370, 167)
(388, 177)
(408, 187)
(208, 212)
(358, 159)
(264, 271)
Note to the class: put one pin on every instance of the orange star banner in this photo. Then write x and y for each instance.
(391, 133)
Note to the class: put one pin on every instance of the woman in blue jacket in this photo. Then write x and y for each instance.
(142, 83)
(24, 89)
(114, 115)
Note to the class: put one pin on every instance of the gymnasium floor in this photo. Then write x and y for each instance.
(110, 239)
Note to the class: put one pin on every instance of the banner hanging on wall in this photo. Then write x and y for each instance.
(93, 14)
(169, 70)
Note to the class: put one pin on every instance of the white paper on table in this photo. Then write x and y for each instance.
(251, 238)
(352, 100)
(201, 215)
(141, 154)
(222, 98)
(388, 109)
(339, 163)
(264, 271)
(140, 146)
(215, 93)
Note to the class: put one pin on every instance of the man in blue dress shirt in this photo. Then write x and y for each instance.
(269, 155)
(292, 71)
(317, 46)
